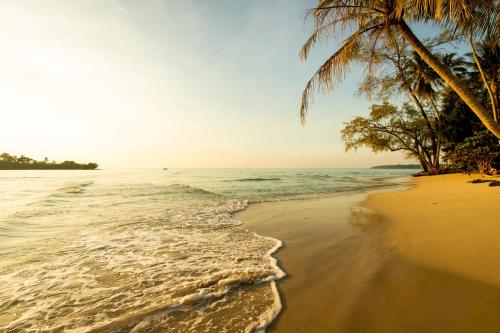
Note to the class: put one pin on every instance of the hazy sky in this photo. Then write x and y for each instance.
(168, 84)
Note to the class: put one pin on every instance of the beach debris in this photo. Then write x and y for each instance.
(479, 181)
(492, 182)
(434, 202)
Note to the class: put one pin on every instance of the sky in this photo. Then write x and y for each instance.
(178, 84)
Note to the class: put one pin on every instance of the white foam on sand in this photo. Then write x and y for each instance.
(169, 268)
(270, 315)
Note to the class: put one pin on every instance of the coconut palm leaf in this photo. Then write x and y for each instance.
(335, 68)
(377, 19)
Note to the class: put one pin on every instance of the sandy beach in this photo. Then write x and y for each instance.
(424, 259)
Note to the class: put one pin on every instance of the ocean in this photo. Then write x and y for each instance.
(148, 250)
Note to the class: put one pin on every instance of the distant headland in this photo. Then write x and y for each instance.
(10, 162)
(397, 166)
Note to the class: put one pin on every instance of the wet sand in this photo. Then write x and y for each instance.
(356, 269)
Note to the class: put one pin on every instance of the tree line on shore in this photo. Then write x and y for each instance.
(437, 106)
(11, 162)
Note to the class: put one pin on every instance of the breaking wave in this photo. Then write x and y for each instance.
(76, 188)
(187, 189)
(174, 266)
(147, 251)
(257, 179)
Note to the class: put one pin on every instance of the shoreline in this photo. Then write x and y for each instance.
(349, 271)
(299, 246)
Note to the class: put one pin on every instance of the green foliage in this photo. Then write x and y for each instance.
(10, 162)
(468, 145)
(376, 36)
(457, 123)
(437, 91)
(482, 148)
(389, 128)
(444, 123)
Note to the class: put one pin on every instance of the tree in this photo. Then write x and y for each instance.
(485, 64)
(480, 148)
(406, 74)
(7, 158)
(8, 162)
(425, 82)
(389, 128)
(456, 123)
(375, 21)
(423, 79)
(23, 159)
(467, 145)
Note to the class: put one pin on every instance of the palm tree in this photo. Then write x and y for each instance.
(423, 84)
(456, 64)
(423, 80)
(402, 70)
(485, 63)
(375, 21)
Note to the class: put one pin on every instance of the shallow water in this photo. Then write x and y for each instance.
(147, 250)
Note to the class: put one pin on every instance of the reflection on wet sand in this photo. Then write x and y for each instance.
(342, 277)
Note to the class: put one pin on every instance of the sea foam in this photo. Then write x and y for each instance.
(147, 250)
(172, 260)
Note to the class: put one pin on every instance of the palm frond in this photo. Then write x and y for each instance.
(323, 32)
(477, 16)
(332, 71)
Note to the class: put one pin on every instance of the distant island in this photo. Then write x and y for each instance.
(397, 166)
(10, 162)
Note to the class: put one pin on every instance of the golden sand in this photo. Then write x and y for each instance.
(430, 264)
(446, 223)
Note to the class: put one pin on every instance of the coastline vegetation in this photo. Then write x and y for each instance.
(10, 162)
(424, 91)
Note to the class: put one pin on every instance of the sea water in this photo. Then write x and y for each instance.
(148, 250)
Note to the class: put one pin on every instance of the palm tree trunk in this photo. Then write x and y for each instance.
(433, 132)
(422, 111)
(494, 89)
(481, 112)
(434, 107)
(439, 134)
